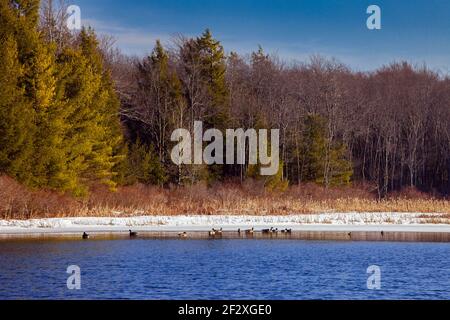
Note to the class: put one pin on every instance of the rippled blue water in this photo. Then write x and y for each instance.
(223, 269)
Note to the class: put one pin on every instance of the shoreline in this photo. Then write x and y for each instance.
(316, 233)
(404, 228)
(198, 226)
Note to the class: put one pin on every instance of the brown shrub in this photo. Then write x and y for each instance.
(316, 192)
(18, 202)
(250, 198)
(410, 193)
(13, 198)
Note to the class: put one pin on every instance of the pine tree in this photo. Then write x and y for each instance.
(160, 87)
(313, 148)
(144, 166)
(213, 71)
(76, 89)
(36, 84)
(314, 157)
(271, 183)
(276, 182)
(39, 80)
(341, 169)
(216, 105)
(103, 107)
(170, 105)
(48, 155)
(16, 114)
(59, 121)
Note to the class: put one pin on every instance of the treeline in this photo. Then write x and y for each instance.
(75, 112)
(197, 81)
(389, 128)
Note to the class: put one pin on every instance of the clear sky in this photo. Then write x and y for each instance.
(414, 30)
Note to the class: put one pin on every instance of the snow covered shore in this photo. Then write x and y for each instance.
(408, 222)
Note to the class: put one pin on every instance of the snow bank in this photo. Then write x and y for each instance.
(203, 222)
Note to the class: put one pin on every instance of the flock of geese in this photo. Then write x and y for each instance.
(214, 232)
(267, 231)
(219, 232)
(132, 234)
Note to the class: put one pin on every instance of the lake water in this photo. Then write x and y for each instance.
(223, 269)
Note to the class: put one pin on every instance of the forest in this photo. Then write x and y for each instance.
(76, 113)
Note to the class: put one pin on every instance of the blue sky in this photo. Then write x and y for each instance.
(416, 30)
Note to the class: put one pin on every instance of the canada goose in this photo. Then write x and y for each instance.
(289, 231)
(382, 233)
(85, 235)
(133, 234)
(212, 233)
(349, 234)
(250, 231)
(266, 230)
(274, 230)
(219, 232)
(239, 230)
(183, 235)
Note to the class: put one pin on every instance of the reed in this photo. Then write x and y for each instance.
(249, 198)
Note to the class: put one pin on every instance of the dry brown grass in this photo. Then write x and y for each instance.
(17, 202)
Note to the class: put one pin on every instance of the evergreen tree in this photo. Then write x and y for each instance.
(16, 114)
(271, 183)
(170, 105)
(315, 155)
(39, 80)
(217, 105)
(313, 148)
(77, 88)
(213, 65)
(160, 87)
(48, 156)
(59, 120)
(341, 169)
(144, 166)
(36, 84)
(104, 125)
